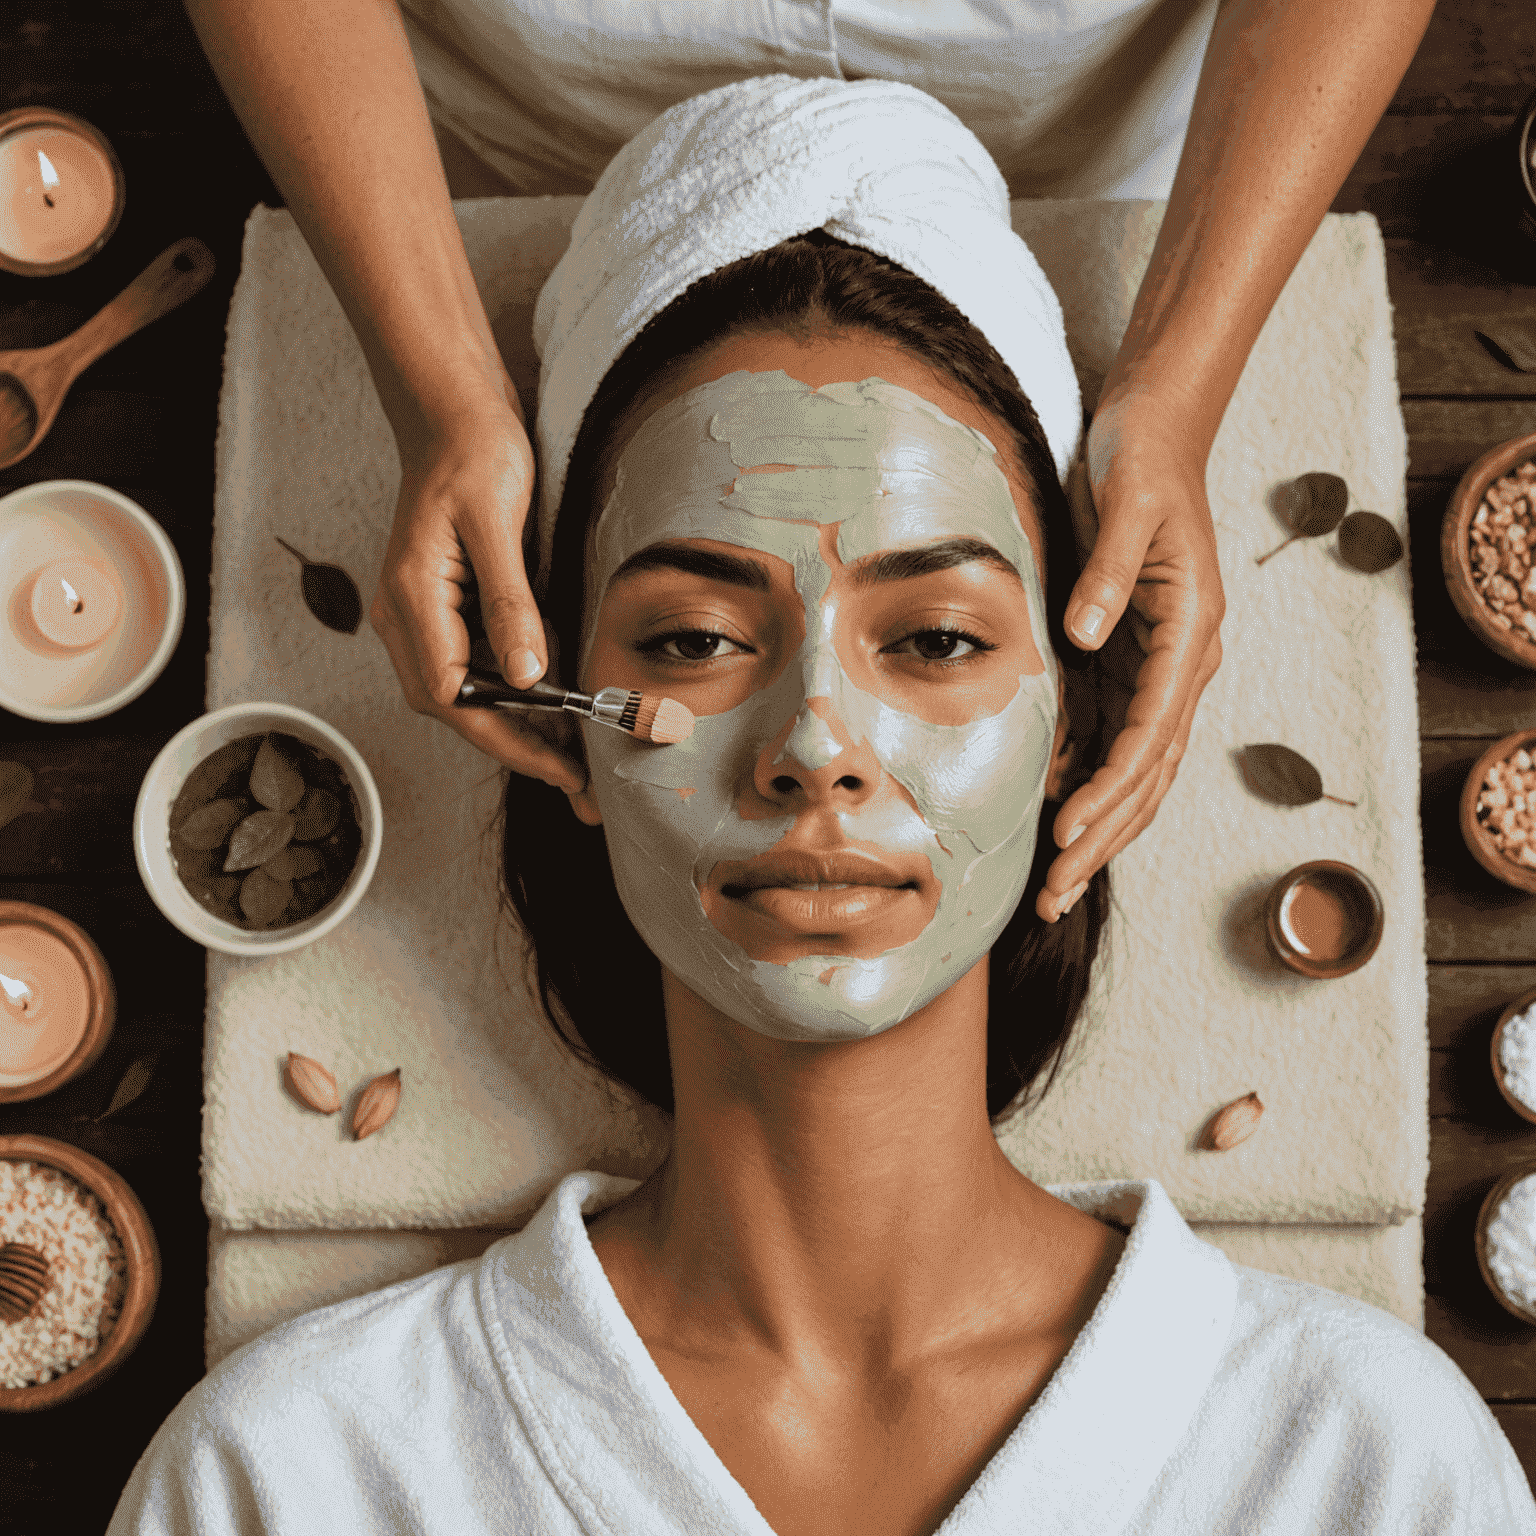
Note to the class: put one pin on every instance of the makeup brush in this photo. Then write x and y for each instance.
(644, 715)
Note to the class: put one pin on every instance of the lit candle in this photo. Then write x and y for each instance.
(45, 1003)
(59, 191)
(75, 603)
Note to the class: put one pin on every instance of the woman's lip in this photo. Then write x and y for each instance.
(826, 908)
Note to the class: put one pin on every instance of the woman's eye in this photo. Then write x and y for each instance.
(691, 645)
(939, 645)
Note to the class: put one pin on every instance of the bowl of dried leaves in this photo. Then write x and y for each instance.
(257, 829)
(1487, 545)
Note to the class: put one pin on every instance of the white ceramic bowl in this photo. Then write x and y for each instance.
(78, 517)
(164, 781)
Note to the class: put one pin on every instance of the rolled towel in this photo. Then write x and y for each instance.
(735, 171)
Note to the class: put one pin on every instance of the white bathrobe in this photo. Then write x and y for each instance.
(510, 1396)
(1072, 98)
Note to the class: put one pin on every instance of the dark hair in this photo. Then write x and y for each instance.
(591, 963)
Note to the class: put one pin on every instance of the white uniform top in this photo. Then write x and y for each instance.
(511, 1393)
(1072, 98)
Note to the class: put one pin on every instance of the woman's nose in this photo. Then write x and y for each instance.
(814, 760)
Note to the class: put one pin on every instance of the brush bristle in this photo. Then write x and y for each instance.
(662, 721)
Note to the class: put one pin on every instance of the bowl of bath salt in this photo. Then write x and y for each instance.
(78, 1263)
(1506, 1243)
(1513, 1051)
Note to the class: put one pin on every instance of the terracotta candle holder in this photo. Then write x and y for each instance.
(1324, 919)
(57, 1001)
(62, 191)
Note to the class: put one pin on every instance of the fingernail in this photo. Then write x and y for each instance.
(1089, 621)
(522, 668)
(1074, 834)
(1072, 895)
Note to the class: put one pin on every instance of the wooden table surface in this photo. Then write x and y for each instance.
(142, 420)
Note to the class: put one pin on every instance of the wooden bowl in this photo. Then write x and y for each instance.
(1351, 886)
(140, 1251)
(1520, 1004)
(103, 999)
(1479, 843)
(1456, 562)
(1485, 1215)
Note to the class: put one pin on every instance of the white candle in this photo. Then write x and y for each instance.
(43, 1026)
(57, 194)
(75, 603)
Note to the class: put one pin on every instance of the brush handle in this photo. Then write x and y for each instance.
(483, 687)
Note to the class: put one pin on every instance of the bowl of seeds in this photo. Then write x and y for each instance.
(1487, 546)
(257, 829)
(79, 1272)
(1498, 810)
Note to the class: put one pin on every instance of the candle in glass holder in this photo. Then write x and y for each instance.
(75, 603)
(45, 1002)
(60, 190)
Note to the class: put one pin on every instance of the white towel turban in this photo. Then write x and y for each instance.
(735, 171)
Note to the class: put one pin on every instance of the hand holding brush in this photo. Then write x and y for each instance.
(646, 716)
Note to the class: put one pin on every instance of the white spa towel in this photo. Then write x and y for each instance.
(738, 169)
(1186, 1014)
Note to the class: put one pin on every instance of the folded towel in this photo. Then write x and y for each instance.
(736, 170)
(1185, 1014)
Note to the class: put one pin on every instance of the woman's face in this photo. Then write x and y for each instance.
(814, 547)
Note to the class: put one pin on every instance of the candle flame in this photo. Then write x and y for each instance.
(45, 165)
(71, 596)
(17, 992)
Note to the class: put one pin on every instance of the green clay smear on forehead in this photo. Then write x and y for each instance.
(894, 472)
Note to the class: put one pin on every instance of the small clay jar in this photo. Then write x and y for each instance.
(101, 998)
(1336, 906)
(1488, 1210)
(1479, 842)
(1456, 561)
(1520, 1004)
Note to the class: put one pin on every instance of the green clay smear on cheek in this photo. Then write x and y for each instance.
(894, 472)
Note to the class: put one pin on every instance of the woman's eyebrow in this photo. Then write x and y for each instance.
(903, 564)
(734, 570)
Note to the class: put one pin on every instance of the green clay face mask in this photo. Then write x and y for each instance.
(893, 472)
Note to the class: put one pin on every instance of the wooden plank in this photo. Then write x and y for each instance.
(1439, 301)
(1495, 1350)
(1469, 916)
(1465, 1161)
(1466, 1000)
(1476, 56)
(1518, 1421)
(1445, 436)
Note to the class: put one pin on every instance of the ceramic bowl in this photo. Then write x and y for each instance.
(1485, 1215)
(39, 524)
(1361, 900)
(1456, 562)
(140, 1251)
(1520, 1004)
(102, 993)
(1479, 843)
(164, 781)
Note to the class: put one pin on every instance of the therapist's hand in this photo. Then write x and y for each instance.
(464, 497)
(1154, 554)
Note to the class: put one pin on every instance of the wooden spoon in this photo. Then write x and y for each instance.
(34, 380)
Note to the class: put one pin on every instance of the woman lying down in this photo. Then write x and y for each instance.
(790, 484)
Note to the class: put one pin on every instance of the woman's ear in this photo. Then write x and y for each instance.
(1062, 749)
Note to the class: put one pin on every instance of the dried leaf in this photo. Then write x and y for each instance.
(275, 782)
(16, 781)
(317, 814)
(263, 899)
(1513, 346)
(135, 1080)
(208, 778)
(1281, 776)
(1369, 542)
(329, 593)
(311, 1084)
(257, 838)
(209, 826)
(1312, 504)
(1236, 1122)
(376, 1104)
(293, 863)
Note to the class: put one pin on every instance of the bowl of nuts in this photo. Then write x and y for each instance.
(1487, 542)
(1498, 810)
(79, 1272)
(257, 829)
